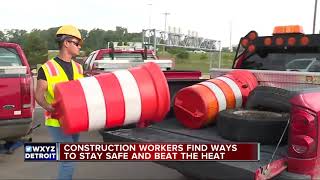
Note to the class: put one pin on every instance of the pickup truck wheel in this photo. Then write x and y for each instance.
(252, 126)
(270, 99)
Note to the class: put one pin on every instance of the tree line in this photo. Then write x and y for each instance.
(37, 42)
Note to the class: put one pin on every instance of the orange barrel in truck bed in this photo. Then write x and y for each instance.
(244, 78)
(136, 96)
(198, 105)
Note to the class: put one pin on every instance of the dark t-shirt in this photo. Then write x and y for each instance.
(66, 66)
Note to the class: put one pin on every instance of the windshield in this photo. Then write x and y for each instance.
(299, 64)
(282, 61)
(9, 57)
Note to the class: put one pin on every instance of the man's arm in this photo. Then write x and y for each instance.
(42, 87)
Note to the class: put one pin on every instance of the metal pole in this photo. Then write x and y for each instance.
(165, 20)
(143, 43)
(165, 27)
(210, 59)
(150, 11)
(231, 49)
(220, 54)
(154, 41)
(315, 16)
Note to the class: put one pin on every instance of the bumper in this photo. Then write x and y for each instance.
(14, 128)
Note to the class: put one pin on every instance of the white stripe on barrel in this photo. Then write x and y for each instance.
(236, 90)
(95, 103)
(222, 102)
(131, 94)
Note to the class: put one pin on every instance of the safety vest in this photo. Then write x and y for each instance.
(55, 74)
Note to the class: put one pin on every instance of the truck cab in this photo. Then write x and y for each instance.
(288, 49)
(16, 93)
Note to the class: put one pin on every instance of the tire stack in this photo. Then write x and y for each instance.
(198, 105)
(242, 110)
(263, 120)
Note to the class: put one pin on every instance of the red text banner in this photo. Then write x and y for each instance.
(158, 152)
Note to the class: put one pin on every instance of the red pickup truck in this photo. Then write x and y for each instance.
(285, 86)
(16, 93)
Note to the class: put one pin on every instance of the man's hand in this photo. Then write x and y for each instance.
(49, 108)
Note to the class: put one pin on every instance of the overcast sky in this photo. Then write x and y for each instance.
(210, 18)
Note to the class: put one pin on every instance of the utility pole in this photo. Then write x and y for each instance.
(165, 20)
(231, 49)
(165, 26)
(315, 16)
(150, 11)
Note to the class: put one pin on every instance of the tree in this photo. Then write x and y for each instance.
(2, 36)
(49, 36)
(16, 35)
(35, 48)
(37, 42)
(95, 39)
(84, 33)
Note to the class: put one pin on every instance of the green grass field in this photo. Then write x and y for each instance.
(202, 62)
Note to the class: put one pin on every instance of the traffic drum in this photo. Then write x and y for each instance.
(198, 105)
(139, 95)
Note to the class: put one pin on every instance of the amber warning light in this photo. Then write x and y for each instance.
(288, 29)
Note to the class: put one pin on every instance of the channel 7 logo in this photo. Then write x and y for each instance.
(28, 149)
(40, 152)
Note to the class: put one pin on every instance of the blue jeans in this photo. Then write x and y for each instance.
(65, 168)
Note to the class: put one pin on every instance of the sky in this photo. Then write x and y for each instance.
(222, 20)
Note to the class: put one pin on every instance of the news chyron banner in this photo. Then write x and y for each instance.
(141, 152)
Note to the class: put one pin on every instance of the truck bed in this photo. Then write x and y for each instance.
(171, 131)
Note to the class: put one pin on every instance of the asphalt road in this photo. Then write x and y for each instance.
(14, 167)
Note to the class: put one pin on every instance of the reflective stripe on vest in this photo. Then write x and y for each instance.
(55, 74)
(79, 68)
(52, 69)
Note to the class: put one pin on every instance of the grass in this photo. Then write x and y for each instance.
(202, 62)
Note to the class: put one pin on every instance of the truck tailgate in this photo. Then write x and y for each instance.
(10, 91)
(171, 131)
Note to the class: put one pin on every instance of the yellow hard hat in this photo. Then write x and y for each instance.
(69, 30)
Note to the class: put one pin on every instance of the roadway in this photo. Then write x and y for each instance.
(14, 167)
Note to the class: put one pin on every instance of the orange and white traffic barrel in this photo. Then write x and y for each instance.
(198, 105)
(135, 96)
(245, 80)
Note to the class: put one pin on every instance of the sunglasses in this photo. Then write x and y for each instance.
(75, 43)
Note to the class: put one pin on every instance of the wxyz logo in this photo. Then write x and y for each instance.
(43, 148)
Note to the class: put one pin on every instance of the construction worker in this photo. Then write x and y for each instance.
(59, 69)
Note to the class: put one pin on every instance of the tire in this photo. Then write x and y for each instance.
(252, 126)
(270, 99)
